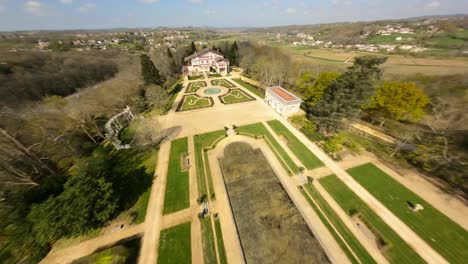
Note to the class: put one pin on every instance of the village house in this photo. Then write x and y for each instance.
(282, 101)
(205, 61)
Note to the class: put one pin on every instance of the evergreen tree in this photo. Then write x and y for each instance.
(172, 64)
(345, 96)
(193, 48)
(149, 72)
(234, 54)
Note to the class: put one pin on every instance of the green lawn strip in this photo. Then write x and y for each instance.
(397, 251)
(219, 240)
(306, 156)
(431, 225)
(203, 141)
(175, 245)
(194, 86)
(191, 78)
(200, 102)
(209, 251)
(258, 129)
(177, 187)
(123, 252)
(222, 82)
(173, 92)
(254, 89)
(141, 207)
(208, 175)
(351, 240)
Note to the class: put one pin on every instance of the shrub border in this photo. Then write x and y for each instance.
(226, 80)
(250, 98)
(190, 85)
(181, 103)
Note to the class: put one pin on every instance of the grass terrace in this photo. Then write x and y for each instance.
(219, 241)
(175, 245)
(193, 101)
(201, 158)
(194, 86)
(235, 96)
(435, 228)
(222, 82)
(394, 248)
(177, 187)
(307, 158)
(192, 78)
(334, 224)
(259, 130)
(252, 88)
(215, 75)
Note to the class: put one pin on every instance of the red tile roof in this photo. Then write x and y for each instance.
(286, 96)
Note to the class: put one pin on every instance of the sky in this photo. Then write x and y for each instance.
(100, 14)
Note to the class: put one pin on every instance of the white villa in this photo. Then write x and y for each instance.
(204, 61)
(284, 102)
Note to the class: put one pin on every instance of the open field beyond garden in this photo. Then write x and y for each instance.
(175, 245)
(393, 247)
(270, 227)
(177, 187)
(430, 224)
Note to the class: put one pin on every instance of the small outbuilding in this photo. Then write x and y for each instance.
(283, 101)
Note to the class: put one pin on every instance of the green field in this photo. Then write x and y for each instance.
(222, 82)
(307, 158)
(254, 89)
(177, 187)
(351, 240)
(390, 39)
(123, 252)
(219, 241)
(194, 101)
(202, 141)
(430, 224)
(236, 96)
(259, 129)
(194, 86)
(397, 251)
(175, 245)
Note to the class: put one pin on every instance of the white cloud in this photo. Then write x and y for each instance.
(33, 7)
(66, 1)
(150, 1)
(210, 12)
(433, 5)
(341, 2)
(290, 10)
(196, 1)
(87, 7)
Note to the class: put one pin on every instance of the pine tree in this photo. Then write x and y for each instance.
(234, 54)
(149, 72)
(345, 96)
(193, 48)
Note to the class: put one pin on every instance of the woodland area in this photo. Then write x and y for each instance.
(59, 176)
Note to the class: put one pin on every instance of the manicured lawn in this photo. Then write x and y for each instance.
(351, 240)
(177, 187)
(173, 92)
(222, 82)
(203, 141)
(192, 78)
(141, 207)
(398, 251)
(194, 102)
(259, 129)
(194, 86)
(209, 251)
(236, 96)
(445, 236)
(216, 75)
(219, 241)
(123, 252)
(175, 245)
(307, 158)
(254, 89)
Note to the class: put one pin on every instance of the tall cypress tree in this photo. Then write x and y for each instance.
(149, 72)
(234, 54)
(172, 64)
(345, 96)
(193, 48)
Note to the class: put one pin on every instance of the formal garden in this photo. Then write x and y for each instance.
(222, 82)
(194, 86)
(193, 101)
(235, 96)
